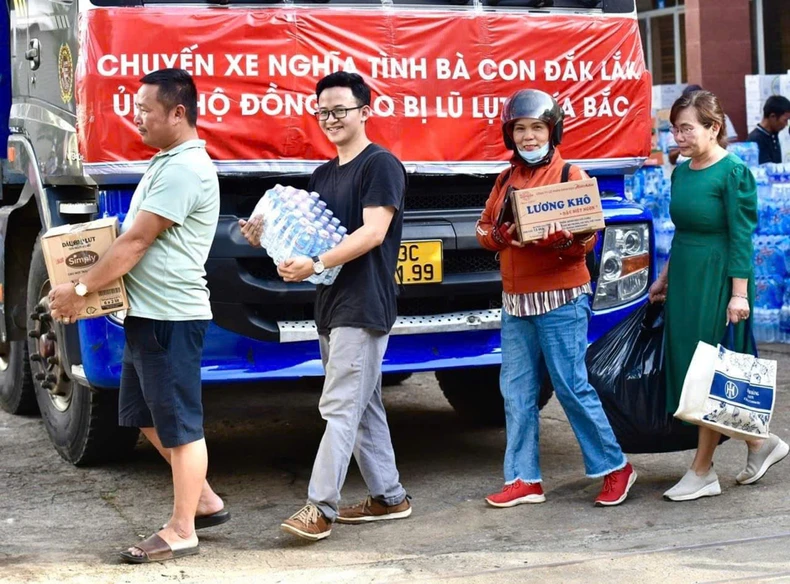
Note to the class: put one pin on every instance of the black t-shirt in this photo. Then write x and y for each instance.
(768, 144)
(364, 293)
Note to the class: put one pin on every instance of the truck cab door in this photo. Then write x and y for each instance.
(52, 37)
(5, 79)
(51, 56)
(17, 11)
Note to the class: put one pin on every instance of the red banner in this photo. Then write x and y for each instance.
(438, 77)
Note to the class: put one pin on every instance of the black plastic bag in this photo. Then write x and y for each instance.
(625, 366)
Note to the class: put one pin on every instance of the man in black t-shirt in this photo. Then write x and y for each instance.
(776, 113)
(364, 186)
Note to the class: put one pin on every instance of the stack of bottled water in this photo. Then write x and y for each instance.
(772, 254)
(746, 151)
(298, 223)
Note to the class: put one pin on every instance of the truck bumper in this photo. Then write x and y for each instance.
(229, 357)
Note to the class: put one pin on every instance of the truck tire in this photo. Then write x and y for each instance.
(82, 423)
(17, 392)
(390, 379)
(475, 396)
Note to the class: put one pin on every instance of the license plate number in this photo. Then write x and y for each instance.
(419, 262)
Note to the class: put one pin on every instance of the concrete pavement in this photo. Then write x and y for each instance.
(62, 524)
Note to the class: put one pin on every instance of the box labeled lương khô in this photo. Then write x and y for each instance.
(576, 205)
(71, 250)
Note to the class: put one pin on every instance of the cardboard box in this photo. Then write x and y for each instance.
(71, 250)
(784, 144)
(665, 95)
(576, 205)
(761, 87)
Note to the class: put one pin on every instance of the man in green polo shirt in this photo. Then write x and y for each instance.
(161, 253)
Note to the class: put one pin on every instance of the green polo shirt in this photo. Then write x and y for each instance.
(169, 282)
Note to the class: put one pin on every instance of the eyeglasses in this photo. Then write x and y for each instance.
(338, 113)
(685, 130)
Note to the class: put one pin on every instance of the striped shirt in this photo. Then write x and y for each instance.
(538, 303)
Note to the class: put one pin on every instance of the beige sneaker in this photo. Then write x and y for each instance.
(308, 523)
(773, 450)
(692, 486)
(374, 510)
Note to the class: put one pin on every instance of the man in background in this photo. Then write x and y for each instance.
(776, 112)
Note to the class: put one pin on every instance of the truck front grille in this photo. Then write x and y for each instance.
(425, 193)
(470, 261)
(444, 304)
(467, 261)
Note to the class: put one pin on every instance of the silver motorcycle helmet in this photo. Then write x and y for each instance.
(533, 103)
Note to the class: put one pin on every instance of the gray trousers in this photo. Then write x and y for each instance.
(356, 422)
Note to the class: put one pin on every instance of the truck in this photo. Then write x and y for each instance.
(440, 72)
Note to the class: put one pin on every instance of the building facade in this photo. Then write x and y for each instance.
(716, 43)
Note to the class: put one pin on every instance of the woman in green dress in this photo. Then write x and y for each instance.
(709, 279)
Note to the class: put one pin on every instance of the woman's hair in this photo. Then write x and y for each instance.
(708, 109)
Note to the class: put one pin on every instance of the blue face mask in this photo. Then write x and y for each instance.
(533, 156)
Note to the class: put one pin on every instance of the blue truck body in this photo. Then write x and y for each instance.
(234, 357)
(263, 327)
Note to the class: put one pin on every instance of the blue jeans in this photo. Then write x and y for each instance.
(561, 337)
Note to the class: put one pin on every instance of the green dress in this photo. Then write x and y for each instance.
(715, 214)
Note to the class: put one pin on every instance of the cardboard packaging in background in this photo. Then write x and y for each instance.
(576, 205)
(665, 95)
(71, 250)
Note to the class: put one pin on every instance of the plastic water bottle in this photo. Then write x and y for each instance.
(286, 236)
(758, 327)
(784, 324)
(334, 221)
(774, 334)
(304, 242)
(746, 151)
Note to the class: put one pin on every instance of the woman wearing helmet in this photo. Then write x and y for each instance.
(545, 311)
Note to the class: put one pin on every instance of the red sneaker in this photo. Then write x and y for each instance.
(517, 493)
(616, 486)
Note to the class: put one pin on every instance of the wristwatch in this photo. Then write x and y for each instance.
(80, 288)
(318, 265)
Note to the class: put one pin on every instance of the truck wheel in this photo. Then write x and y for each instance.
(17, 392)
(474, 394)
(82, 423)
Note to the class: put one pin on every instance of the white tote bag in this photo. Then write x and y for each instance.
(732, 393)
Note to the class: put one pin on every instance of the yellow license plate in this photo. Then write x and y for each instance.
(419, 262)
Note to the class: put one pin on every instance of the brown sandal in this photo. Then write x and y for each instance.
(156, 549)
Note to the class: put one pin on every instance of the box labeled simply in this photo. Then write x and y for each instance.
(576, 205)
(71, 250)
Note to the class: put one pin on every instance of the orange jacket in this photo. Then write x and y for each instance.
(534, 268)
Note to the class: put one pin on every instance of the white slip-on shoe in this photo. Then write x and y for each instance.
(773, 450)
(692, 486)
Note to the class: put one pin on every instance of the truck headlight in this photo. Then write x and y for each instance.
(625, 265)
